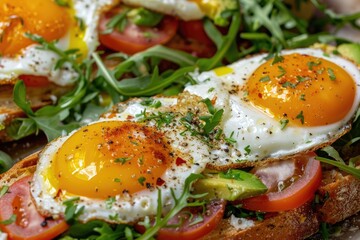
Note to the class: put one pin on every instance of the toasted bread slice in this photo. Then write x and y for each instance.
(21, 169)
(340, 194)
(38, 97)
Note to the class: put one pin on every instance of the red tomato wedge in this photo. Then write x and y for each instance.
(293, 196)
(29, 224)
(194, 222)
(136, 38)
(35, 81)
(194, 30)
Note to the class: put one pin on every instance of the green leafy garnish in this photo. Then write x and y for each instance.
(283, 123)
(122, 160)
(6, 162)
(4, 189)
(180, 203)
(63, 3)
(265, 79)
(331, 74)
(141, 180)
(11, 220)
(161, 118)
(72, 211)
(144, 17)
(213, 120)
(117, 22)
(300, 116)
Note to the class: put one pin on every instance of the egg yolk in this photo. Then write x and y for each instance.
(42, 17)
(302, 89)
(208, 7)
(110, 158)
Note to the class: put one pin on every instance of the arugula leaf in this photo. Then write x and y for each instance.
(9, 221)
(180, 203)
(6, 162)
(99, 230)
(72, 211)
(224, 46)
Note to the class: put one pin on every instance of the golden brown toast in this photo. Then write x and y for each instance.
(339, 192)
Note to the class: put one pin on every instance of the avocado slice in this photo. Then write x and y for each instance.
(350, 51)
(231, 185)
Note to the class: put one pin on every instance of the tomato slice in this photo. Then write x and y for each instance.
(293, 196)
(194, 30)
(193, 222)
(35, 81)
(29, 224)
(136, 38)
(192, 38)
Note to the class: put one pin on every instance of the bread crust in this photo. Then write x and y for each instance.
(295, 224)
(340, 194)
(341, 197)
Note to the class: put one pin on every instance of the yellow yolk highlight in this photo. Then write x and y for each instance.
(221, 71)
(42, 17)
(208, 7)
(77, 34)
(303, 89)
(110, 158)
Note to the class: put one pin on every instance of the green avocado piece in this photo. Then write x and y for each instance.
(231, 185)
(350, 51)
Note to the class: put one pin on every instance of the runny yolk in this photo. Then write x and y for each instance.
(42, 17)
(303, 90)
(109, 158)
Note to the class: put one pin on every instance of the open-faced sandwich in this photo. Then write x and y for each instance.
(196, 144)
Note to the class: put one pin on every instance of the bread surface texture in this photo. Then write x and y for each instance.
(340, 194)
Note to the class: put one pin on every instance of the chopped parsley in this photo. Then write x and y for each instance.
(312, 64)
(109, 202)
(283, 123)
(149, 102)
(161, 118)
(302, 97)
(230, 139)
(141, 180)
(122, 160)
(301, 117)
(331, 74)
(265, 79)
(302, 79)
(282, 71)
(289, 84)
(247, 150)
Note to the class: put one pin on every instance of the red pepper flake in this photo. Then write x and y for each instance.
(180, 161)
(159, 182)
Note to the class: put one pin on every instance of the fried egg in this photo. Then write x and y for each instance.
(269, 110)
(73, 26)
(185, 9)
(115, 166)
(275, 109)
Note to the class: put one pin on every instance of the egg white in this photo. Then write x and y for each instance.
(38, 62)
(127, 208)
(183, 9)
(257, 135)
